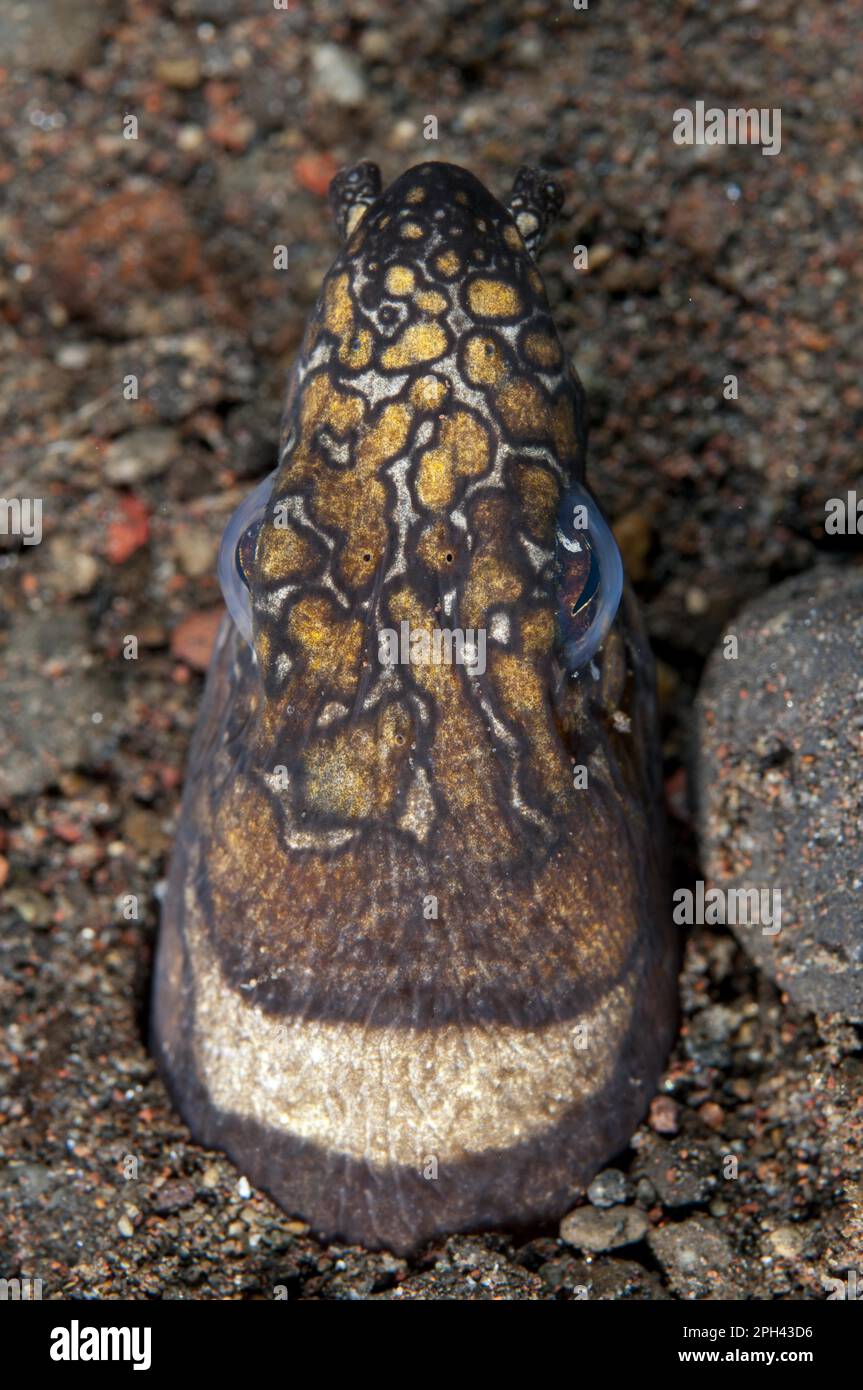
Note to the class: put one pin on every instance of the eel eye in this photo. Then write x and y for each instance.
(589, 574)
(237, 552)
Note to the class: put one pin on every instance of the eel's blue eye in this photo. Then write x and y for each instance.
(237, 551)
(589, 574)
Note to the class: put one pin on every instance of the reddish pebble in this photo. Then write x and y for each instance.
(232, 130)
(663, 1115)
(314, 172)
(67, 830)
(4, 870)
(812, 338)
(128, 531)
(193, 640)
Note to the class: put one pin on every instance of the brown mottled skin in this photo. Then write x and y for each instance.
(411, 977)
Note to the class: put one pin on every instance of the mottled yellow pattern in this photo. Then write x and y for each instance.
(448, 263)
(431, 302)
(490, 583)
(463, 449)
(354, 350)
(331, 643)
(513, 239)
(420, 342)
(400, 280)
(493, 299)
(351, 773)
(539, 493)
(542, 349)
(524, 408)
(284, 552)
(485, 363)
(429, 392)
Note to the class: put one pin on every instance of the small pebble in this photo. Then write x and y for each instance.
(608, 1188)
(31, 906)
(144, 453)
(787, 1241)
(172, 1196)
(73, 357)
(663, 1115)
(338, 74)
(712, 1114)
(183, 73)
(594, 1230)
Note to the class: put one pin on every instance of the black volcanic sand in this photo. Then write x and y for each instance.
(153, 257)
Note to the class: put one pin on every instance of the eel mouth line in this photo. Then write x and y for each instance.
(396, 1096)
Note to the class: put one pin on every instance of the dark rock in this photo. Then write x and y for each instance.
(172, 1197)
(778, 782)
(176, 376)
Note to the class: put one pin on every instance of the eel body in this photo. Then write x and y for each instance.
(416, 971)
